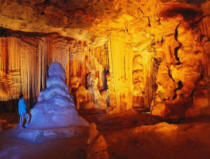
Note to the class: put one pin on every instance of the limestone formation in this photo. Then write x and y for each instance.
(55, 107)
(156, 53)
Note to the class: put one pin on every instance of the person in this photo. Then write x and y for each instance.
(22, 110)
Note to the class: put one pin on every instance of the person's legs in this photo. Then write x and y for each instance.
(21, 120)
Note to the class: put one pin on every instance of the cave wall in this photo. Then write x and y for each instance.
(21, 70)
(118, 55)
(201, 96)
(170, 60)
(24, 62)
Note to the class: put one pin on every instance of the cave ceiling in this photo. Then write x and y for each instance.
(93, 20)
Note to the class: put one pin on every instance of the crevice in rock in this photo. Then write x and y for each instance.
(169, 74)
(162, 40)
(179, 83)
(178, 47)
(140, 10)
(180, 86)
(149, 23)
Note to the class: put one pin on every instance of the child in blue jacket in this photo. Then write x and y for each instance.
(22, 110)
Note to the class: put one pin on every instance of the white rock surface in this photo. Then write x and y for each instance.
(55, 107)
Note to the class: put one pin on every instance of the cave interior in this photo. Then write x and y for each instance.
(138, 71)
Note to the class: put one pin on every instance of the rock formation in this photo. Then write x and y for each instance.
(55, 107)
(55, 115)
(155, 53)
(97, 146)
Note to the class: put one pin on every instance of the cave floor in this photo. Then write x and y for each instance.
(129, 135)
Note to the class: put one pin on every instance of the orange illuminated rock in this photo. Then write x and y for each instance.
(97, 146)
(160, 110)
(117, 54)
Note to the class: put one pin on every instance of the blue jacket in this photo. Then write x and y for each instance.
(21, 106)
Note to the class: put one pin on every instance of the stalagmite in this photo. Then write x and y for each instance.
(55, 107)
(55, 110)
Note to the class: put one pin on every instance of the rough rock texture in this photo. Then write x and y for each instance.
(83, 20)
(55, 107)
(97, 146)
(148, 54)
(55, 115)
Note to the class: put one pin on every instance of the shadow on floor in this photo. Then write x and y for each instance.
(130, 119)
